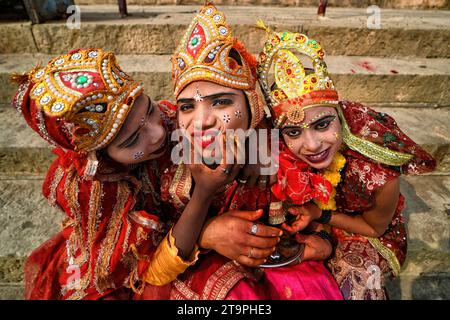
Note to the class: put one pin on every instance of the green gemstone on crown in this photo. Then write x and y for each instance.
(194, 41)
(285, 36)
(82, 79)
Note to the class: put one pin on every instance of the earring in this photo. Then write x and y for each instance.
(197, 96)
(138, 155)
(337, 135)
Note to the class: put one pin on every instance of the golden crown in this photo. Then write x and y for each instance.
(207, 52)
(295, 87)
(88, 90)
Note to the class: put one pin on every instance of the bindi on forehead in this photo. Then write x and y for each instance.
(134, 119)
(201, 90)
(138, 111)
(314, 114)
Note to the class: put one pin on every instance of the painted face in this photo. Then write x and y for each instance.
(317, 139)
(142, 136)
(206, 109)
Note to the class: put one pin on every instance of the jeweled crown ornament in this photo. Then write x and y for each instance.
(209, 52)
(86, 94)
(295, 88)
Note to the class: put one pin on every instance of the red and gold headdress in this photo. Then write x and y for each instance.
(209, 52)
(295, 88)
(78, 101)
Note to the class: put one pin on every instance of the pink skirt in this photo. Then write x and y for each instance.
(309, 280)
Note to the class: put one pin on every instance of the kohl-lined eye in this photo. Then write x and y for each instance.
(292, 133)
(186, 107)
(222, 102)
(324, 123)
(132, 141)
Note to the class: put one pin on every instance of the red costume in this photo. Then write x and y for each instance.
(375, 151)
(215, 277)
(78, 102)
(362, 177)
(208, 52)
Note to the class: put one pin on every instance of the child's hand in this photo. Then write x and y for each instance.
(208, 180)
(260, 174)
(230, 235)
(316, 248)
(304, 216)
(250, 175)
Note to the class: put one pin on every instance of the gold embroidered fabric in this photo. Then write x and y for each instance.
(181, 186)
(388, 254)
(370, 149)
(108, 244)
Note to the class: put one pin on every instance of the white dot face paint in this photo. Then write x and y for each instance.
(238, 114)
(214, 114)
(138, 155)
(315, 141)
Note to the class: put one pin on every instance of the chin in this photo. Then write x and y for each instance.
(321, 165)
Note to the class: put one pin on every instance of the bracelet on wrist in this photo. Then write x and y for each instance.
(325, 217)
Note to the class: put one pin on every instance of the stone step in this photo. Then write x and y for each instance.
(11, 291)
(397, 4)
(427, 212)
(425, 276)
(373, 80)
(23, 152)
(26, 217)
(158, 29)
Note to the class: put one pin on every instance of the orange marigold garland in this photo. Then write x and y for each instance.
(333, 175)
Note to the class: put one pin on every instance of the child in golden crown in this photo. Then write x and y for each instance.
(359, 151)
(112, 143)
(215, 89)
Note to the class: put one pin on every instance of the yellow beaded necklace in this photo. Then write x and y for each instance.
(333, 175)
